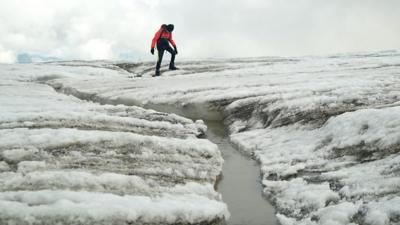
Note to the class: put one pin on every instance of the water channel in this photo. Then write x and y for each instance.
(240, 184)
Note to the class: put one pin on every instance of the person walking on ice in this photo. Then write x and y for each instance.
(163, 38)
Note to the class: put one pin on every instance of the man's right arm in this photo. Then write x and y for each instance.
(154, 41)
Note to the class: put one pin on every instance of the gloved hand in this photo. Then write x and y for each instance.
(176, 50)
(152, 51)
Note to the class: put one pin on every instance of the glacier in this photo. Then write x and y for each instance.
(77, 135)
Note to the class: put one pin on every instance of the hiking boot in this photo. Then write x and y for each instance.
(172, 67)
(156, 74)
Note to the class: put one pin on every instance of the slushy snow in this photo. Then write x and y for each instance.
(325, 130)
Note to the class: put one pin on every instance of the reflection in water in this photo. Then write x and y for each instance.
(240, 185)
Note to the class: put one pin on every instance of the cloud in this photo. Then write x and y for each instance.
(103, 29)
(282, 27)
(96, 49)
(6, 56)
(92, 29)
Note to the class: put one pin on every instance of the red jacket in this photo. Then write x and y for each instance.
(164, 34)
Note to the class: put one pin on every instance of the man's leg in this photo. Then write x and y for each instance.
(160, 56)
(172, 62)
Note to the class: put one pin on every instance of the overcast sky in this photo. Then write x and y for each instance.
(123, 29)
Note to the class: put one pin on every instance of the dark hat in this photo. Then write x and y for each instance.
(170, 27)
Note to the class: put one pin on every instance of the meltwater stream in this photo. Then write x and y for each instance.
(240, 185)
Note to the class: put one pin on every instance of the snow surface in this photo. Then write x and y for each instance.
(69, 161)
(325, 130)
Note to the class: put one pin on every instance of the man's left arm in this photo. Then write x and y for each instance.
(173, 43)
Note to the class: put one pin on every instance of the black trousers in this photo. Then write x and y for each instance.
(163, 46)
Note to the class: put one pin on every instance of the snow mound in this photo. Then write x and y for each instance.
(69, 207)
(69, 161)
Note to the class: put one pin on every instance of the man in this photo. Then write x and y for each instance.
(163, 38)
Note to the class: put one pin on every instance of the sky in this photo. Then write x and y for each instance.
(123, 29)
